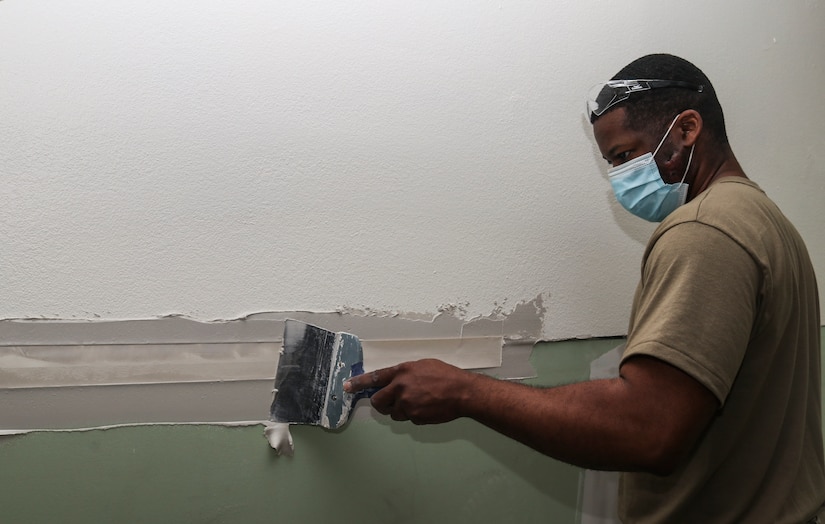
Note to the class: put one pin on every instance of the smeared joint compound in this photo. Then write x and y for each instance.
(522, 321)
(207, 372)
(236, 424)
(277, 433)
(459, 311)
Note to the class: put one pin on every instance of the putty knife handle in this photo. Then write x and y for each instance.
(358, 369)
(365, 393)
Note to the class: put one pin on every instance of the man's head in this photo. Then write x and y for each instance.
(651, 110)
(648, 122)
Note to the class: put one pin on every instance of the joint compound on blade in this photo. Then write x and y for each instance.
(339, 371)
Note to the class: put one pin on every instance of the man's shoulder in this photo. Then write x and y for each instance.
(733, 208)
(728, 195)
(733, 205)
(742, 189)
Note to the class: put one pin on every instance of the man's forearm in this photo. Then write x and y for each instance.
(648, 419)
(586, 424)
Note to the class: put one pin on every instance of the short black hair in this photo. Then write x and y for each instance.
(652, 111)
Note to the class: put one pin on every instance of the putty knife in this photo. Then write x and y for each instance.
(312, 368)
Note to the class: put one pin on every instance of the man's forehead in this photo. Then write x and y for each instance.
(610, 123)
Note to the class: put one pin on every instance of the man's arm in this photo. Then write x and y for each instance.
(647, 419)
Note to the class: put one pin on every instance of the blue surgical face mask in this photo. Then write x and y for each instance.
(639, 187)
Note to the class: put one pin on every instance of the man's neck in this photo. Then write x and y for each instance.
(725, 166)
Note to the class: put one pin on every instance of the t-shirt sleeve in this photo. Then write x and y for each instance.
(696, 304)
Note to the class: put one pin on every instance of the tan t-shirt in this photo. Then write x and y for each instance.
(728, 295)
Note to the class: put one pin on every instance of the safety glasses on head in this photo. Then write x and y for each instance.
(605, 95)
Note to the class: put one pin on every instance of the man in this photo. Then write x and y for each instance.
(715, 416)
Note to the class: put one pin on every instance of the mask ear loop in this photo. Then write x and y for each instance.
(662, 141)
(688, 164)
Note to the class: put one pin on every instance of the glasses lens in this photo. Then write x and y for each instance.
(604, 95)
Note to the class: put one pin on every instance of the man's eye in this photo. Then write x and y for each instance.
(619, 158)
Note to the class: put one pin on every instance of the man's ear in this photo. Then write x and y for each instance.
(689, 126)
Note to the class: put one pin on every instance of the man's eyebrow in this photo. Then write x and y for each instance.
(612, 152)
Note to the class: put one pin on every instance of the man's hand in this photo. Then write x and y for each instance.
(423, 392)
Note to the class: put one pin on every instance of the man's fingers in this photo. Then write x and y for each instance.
(374, 379)
(383, 402)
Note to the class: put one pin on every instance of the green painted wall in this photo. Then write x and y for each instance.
(369, 472)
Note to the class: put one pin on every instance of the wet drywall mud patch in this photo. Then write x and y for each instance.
(521, 325)
(58, 374)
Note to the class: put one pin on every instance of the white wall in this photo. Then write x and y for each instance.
(216, 159)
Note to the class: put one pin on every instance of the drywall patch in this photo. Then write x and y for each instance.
(78, 374)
